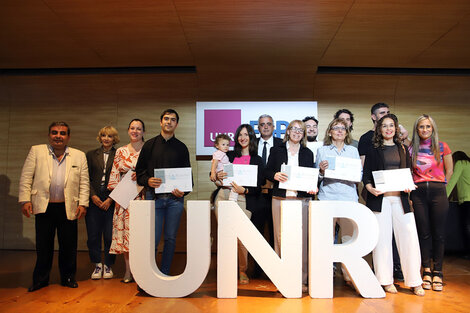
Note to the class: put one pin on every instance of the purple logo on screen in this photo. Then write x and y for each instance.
(218, 122)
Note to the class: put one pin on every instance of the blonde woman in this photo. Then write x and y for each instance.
(99, 218)
(432, 169)
(292, 152)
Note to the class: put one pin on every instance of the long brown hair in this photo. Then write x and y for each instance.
(378, 139)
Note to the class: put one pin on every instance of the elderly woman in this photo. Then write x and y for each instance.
(248, 198)
(392, 209)
(292, 152)
(337, 144)
(432, 168)
(99, 218)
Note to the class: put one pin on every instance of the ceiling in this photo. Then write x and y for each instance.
(236, 44)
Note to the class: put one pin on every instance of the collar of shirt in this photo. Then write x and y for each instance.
(51, 152)
(163, 140)
(333, 147)
(269, 141)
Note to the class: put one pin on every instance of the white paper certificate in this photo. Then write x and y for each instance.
(243, 174)
(299, 178)
(126, 190)
(313, 146)
(393, 180)
(174, 178)
(343, 168)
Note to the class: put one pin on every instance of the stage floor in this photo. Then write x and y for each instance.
(259, 296)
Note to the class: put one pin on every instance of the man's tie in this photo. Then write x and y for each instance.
(264, 154)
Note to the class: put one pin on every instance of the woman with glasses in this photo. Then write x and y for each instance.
(292, 152)
(432, 168)
(337, 144)
(392, 209)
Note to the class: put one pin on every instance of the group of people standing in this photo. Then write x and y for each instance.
(60, 184)
(57, 183)
(414, 221)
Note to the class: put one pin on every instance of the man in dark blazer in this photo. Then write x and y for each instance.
(99, 220)
(265, 142)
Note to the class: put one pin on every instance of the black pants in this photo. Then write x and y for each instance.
(431, 208)
(266, 218)
(465, 220)
(46, 225)
(99, 225)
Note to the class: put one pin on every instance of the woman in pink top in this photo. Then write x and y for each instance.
(248, 198)
(432, 168)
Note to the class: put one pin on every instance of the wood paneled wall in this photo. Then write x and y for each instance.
(87, 102)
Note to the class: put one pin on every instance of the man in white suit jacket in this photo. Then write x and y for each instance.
(54, 186)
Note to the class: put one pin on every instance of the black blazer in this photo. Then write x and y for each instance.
(95, 168)
(278, 156)
(375, 161)
(253, 195)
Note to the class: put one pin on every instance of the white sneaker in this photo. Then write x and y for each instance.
(97, 272)
(108, 272)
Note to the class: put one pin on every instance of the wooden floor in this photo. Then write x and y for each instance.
(259, 296)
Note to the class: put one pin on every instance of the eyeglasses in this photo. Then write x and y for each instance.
(336, 128)
(297, 130)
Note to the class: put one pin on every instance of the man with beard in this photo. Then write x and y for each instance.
(311, 124)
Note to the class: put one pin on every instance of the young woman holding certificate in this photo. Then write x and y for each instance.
(392, 209)
(248, 198)
(432, 168)
(124, 161)
(292, 152)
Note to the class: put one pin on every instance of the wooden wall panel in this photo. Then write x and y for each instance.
(28, 104)
(446, 98)
(5, 183)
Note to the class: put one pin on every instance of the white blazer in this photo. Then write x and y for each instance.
(36, 177)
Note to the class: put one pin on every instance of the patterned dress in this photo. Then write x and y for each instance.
(124, 161)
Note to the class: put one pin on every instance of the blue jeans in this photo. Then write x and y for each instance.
(99, 225)
(168, 212)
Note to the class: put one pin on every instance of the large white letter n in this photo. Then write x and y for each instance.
(285, 272)
(142, 250)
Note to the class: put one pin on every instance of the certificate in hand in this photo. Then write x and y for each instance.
(126, 190)
(299, 178)
(343, 168)
(174, 178)
(242, 174)
(393, 180)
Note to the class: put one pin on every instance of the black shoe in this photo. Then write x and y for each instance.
(398, 274)
(69, 282)
(37, 286)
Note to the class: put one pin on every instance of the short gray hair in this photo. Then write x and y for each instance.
(265, 116)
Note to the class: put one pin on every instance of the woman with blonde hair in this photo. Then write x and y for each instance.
(99, 218)
(432, 169)
(292, 152)
(337, 144)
